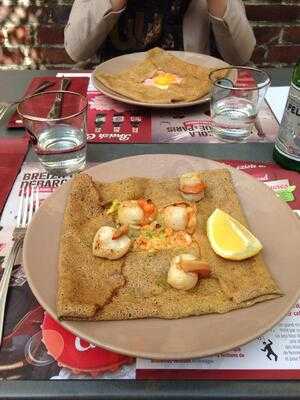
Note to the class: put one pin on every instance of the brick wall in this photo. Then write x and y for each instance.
(276, 26)
(31, 34)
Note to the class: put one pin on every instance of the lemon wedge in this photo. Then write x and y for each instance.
(229, 238)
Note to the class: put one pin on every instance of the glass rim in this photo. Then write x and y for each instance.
(261, 71)
(42, 119)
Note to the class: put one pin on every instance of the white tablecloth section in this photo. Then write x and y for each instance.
(276, 97)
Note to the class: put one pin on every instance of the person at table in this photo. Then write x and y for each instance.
(110, 28)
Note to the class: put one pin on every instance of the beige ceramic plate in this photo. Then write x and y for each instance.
(118, 64)
(269, 218)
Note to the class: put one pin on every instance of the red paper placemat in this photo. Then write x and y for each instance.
(274, 176)
(78, 85)
(110, 121)
(12, 154)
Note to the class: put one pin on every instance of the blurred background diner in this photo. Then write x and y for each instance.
(32, 34)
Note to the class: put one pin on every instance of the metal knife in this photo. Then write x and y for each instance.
(44, 85)
(56, 106)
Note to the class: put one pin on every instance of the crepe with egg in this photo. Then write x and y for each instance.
(135, 285)
(160, 78)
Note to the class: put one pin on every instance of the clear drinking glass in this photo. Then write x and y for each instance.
(57, 133)
(235, 101)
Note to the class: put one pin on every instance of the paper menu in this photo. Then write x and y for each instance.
(147, 125)
(278, 349)
(110, 121)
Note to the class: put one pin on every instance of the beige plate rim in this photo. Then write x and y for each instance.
(252, 322)
(118, 61)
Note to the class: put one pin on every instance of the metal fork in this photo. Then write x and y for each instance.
(4, 107)
(29, 203)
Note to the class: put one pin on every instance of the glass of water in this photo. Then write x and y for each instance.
(235, 101)
(56, 123)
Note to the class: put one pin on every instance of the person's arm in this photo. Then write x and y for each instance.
(217, 8)
(90, 21)
(234, 36)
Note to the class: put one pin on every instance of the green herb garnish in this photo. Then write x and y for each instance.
(114, 207)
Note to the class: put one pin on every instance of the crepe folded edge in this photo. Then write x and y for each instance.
(83, 202)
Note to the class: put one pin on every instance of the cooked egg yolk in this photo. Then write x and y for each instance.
(165, 79)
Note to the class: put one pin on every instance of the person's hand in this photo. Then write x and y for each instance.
(117, 5)
(217, 7)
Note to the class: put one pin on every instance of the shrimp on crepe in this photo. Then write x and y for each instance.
(180, 216)
(192, 186)
(185, 270)
(111, 243)
(136, 213)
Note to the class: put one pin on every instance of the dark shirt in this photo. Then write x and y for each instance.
(146, 24)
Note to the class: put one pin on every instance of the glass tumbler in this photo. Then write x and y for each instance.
(235, 101)
(56, 123)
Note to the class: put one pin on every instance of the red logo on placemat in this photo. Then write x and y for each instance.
(77, 354)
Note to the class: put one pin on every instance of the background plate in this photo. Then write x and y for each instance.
(269, 218)
(118, 64)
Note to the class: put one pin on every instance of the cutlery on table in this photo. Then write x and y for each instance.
(4, 107)
(56, 106)
(29, 203)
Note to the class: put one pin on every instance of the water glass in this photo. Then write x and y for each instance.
(235, 101)
(59, 137)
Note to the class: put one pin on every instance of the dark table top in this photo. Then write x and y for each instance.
(12, 85)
